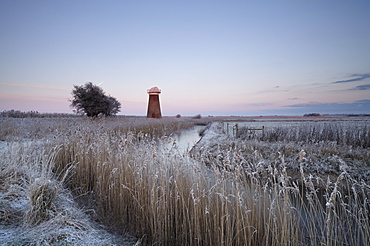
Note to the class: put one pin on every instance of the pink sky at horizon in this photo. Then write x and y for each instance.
(59, 103)
(208, 58)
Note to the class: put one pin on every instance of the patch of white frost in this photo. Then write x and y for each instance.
(213, 136)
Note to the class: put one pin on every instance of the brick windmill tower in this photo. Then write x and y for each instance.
(154, 108)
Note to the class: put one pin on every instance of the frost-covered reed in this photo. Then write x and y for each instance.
(243, 193)
(346, 133)
(173, 199)
(35, 209)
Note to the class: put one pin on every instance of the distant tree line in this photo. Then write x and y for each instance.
(32, 114)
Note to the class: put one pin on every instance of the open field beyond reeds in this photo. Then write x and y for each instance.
(62, 180)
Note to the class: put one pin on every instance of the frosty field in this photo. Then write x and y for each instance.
(121, 181)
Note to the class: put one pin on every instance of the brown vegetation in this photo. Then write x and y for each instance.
(235, 195)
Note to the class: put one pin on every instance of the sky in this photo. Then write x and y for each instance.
(243, 58)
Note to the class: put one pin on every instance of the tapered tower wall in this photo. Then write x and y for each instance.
(154, 108)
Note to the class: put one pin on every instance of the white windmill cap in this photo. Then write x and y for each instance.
(154, 91)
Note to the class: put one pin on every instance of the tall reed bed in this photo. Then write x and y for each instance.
(349, 134)
(168, 198)
(13, 129)
(174, 200)
(35, 209)
(241, 197)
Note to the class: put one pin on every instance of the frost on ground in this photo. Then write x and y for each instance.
(323, 158)
(213, 136)
(35, 209)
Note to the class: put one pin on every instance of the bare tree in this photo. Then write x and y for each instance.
(91, 100)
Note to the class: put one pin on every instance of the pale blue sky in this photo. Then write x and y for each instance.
(207, 57)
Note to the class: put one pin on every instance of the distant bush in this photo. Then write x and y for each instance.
(91, 100)
(312, 115)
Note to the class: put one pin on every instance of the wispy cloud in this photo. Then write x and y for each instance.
(33, 86)
(360, 105)
(361, 88)
(275, 89)
(258, 104)
(32, 98)
(101, 82)
(354, 77)
(364, 101)
(306, 105)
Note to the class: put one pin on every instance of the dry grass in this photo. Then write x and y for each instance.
(241, 193)
(35, 209)
(348, 135)
(41, 128)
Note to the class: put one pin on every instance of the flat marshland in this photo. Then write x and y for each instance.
(61, 180)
